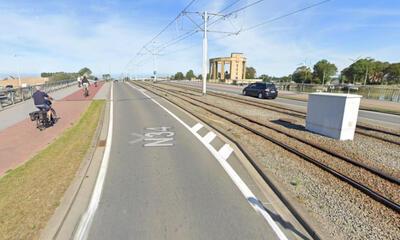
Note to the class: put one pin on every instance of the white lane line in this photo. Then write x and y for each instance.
(209, 137)
(250, 197)
(225, 151)
(197, 127)
(87, 219)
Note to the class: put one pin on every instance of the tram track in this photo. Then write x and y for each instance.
(361, 129)
(376, 195)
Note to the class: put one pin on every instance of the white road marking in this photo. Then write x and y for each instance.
(197, 127)
(225, 151)
(250, 197)
(139, 138)
(87, 219)
(209, 137)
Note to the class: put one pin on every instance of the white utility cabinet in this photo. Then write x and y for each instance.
(333, 114)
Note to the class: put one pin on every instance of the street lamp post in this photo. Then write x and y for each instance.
(18, 70)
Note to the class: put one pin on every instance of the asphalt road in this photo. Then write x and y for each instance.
(387, 119)
(174, 191)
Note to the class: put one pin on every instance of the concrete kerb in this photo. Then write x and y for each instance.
(56, 222)
(284, 204)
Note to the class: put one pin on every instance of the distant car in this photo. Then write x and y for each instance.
(261, 90)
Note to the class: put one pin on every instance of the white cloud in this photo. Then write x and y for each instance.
(67, 42)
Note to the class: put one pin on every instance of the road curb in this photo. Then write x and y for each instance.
(56, 222)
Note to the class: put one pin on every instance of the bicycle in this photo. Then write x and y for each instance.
(85, 89)
(42, 119)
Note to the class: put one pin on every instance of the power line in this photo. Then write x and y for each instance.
(244, 7)
(236, 11)
(229, 6)
(168, 25)
(178, 40)
(285, 15)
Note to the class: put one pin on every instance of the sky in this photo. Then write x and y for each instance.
(107, 35)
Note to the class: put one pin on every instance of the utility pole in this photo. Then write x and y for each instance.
(205, 52)
(18, 70)
(154, 67)
(205, 29)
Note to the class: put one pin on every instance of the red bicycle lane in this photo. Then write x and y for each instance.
(21, 141)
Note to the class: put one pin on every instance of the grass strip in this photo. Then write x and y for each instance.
(30, 193)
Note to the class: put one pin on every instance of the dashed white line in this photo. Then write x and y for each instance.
(225, 151)
(196, 127)
(250, 197)
(209, 137)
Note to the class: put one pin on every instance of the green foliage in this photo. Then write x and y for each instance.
(302, 75)
(106, 76)
(366, 70)
(179, 76)
(265, 78)
(200, 77)
(323, 71)
(190, 75)
(59, 76)
(85, 71)
(250, 73)
(392, 73)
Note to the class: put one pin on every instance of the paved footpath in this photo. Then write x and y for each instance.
(21, 141)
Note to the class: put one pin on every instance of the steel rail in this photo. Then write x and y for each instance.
(368, 191)
(298, 114)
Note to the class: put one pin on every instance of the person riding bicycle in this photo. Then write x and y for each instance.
(42, 102)
(85, 84)
(79, 79)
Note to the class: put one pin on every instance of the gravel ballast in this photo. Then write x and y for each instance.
(344, 212)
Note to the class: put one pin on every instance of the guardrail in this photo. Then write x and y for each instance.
(369, 92)
(13, 96)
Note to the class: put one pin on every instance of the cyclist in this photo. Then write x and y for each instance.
(85, 84)
(79, 79)
(42, 102)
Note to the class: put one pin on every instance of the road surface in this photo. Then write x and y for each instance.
(167, 185)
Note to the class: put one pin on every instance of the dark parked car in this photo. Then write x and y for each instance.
(261, 90)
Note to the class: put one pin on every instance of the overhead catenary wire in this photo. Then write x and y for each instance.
(285, 15)
(168, 25)
(190, 33)
(235, 11)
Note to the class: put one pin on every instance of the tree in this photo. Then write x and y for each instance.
(190, 75)
(302, 75)
(377, 72)
(366, 70)
(265, 78)
(179, 76)
(200, 77)
(250, 73)
(85, 71)
(323, 71)
(106, 76)
(392, 73)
